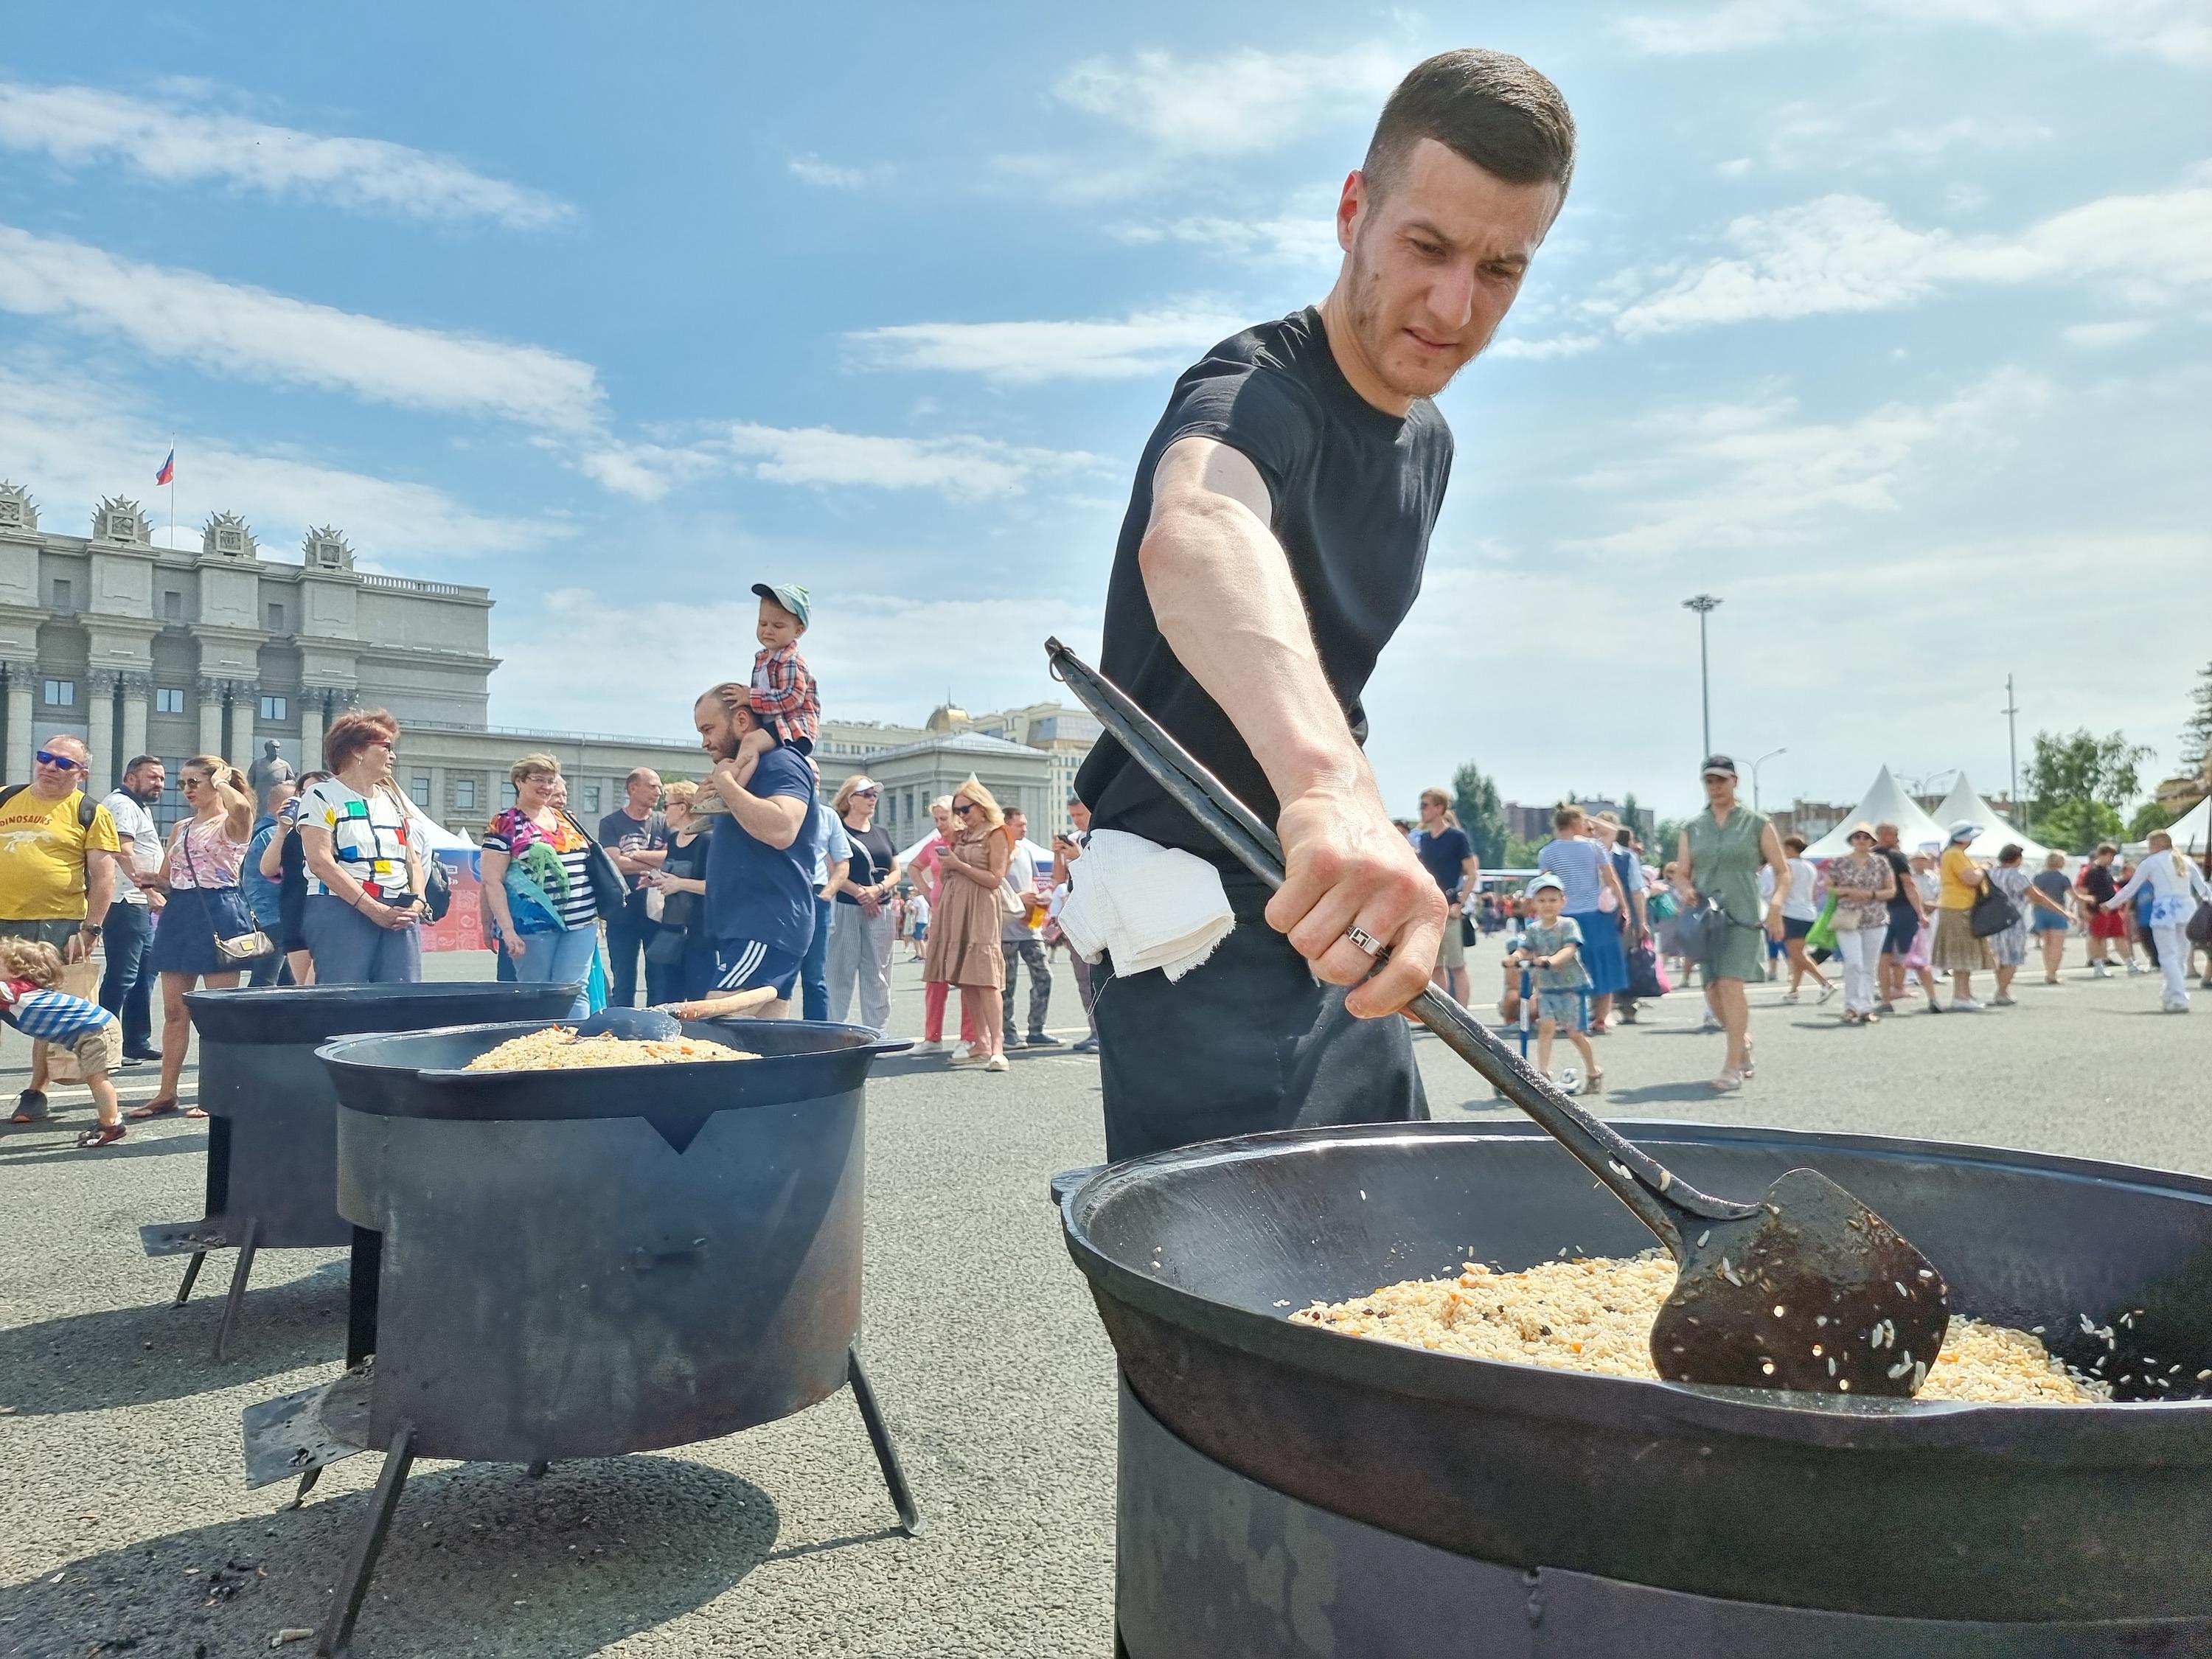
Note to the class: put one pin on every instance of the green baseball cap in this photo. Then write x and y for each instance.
(791, 596)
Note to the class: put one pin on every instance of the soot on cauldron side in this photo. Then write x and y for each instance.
(589, 1261)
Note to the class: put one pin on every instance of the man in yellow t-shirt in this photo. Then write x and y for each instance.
(57, 873)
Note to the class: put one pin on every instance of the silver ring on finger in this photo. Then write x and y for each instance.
(1366, 941)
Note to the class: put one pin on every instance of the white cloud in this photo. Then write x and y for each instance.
(77, 125)
(1304, 238)
(959, 468)
(1734, 475)
(1845, 254)
(1241, 103)
(253, 334)
(72, 441)
(1556, 345)
(1027, 353)
(2180, 31)
(827, 175)
(1821, 136)
(2097, 336)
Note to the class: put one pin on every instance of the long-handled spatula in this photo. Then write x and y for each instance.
(1807, 1289)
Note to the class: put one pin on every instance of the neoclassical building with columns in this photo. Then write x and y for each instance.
(139, 649)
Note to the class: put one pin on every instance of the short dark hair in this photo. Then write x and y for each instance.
(137, 761)
(1488, 106)
(1797, 842)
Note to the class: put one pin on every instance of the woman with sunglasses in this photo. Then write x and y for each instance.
(200, 876)
(860, 929)
(964, 928)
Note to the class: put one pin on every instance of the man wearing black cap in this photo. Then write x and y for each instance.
(1274, 540)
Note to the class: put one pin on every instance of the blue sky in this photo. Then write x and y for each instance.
(1887, 322)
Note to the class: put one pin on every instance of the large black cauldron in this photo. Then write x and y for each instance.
(1865, 1525)
(273, 1112)
(582, 1263)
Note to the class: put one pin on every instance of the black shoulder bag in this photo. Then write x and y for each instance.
(609, 892)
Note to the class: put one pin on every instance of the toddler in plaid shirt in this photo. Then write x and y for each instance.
(783, 692)
(30, 971)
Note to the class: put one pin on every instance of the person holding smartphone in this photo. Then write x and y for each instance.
(364, 908)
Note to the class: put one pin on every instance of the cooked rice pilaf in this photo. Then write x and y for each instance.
(1594, 1314)
(558, 1048)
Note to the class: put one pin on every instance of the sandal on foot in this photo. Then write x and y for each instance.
(101, 1134)
(31, 1107)
(1594, 1083)
(159, 1108)
(1728, 1082)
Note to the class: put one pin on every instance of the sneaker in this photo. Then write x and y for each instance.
(968, 1060)
(1083, 1046)
(1043, 1040)
(997, 1063)
(1826, 991)
(930, 1046)
(1711, 1023)
(2002, 1001)
(142, 1056)
(1934, 1006)
(1789, 996)
(2135, 967)
(2098, 970)
(1965, 1006)
(1885, 1006)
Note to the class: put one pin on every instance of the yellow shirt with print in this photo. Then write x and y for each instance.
(43, 850)
(1962, 880)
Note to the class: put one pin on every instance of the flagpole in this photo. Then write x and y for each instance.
(172, 492)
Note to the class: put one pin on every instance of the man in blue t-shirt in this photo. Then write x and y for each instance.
(1448, 854)
(759, 862)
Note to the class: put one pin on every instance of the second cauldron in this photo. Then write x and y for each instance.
(581, 1263)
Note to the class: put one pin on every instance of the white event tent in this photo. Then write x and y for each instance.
(1996, 835)
(2192, 830)
(1883, 802)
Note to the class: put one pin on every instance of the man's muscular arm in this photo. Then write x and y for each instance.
(1221, 588)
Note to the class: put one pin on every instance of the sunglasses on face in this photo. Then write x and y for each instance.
(963, 808)
(62, 763)
(864, 794)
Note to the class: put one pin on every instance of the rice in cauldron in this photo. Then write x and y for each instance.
(1594, 1314)
(558, 1049)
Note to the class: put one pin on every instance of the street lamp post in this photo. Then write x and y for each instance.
(1755, 765)
(1704, 604)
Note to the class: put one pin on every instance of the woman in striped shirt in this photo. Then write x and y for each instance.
(537, 884)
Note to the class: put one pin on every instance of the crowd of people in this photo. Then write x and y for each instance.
(1600, 926)
(729, 896)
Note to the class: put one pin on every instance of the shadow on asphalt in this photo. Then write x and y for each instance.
(1696, 1089)
(131, 1356)
(480, 1562)
(57, 1141)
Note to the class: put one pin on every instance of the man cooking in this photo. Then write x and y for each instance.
(1274, 540)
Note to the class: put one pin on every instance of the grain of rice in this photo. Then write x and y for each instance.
(558, 1048)
(1595, 1315)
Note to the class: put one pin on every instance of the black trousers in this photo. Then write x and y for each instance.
(627, 939)
(1249, 1043)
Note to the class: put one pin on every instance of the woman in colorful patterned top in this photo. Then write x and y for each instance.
(1863, 884)
(364, 906)
(538, 885)
(200, 876)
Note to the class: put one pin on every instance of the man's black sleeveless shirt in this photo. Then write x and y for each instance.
(1355, 493)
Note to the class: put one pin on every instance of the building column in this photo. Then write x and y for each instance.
(210, 692)
(311, 730)
(22, 742)
(100, 733)
(137, 688)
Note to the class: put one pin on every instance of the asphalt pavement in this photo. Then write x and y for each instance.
(125, 1526)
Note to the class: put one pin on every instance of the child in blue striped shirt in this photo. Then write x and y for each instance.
(30, 971)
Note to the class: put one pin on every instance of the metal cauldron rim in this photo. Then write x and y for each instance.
(2174, 1432)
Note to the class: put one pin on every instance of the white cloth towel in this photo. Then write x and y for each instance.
(1151, 906)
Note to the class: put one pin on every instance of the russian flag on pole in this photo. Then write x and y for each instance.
(168, 472)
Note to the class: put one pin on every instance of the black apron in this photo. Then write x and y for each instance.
(1249, 1043)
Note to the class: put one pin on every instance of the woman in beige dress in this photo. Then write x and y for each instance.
(964, 928)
